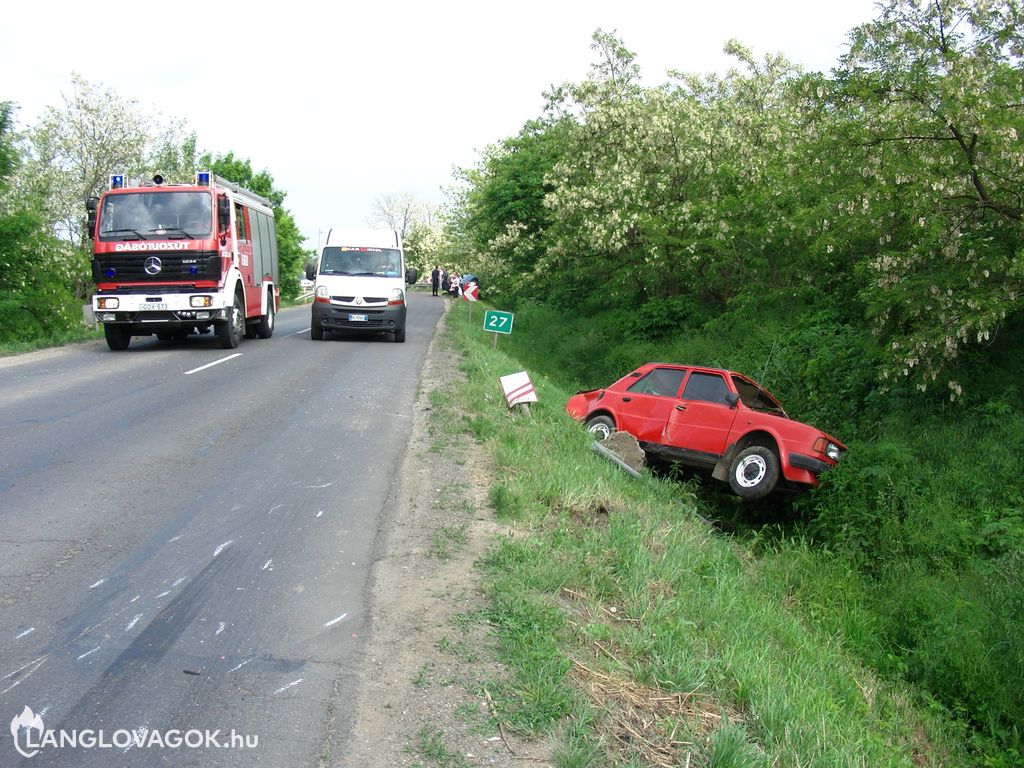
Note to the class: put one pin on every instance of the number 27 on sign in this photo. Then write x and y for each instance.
(498, 322)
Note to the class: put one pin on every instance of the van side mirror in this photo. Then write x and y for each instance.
(411, 275)
(311, 271)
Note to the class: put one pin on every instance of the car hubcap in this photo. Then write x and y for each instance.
(600, 431)
(751, 471)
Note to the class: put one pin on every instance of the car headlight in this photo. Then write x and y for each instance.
(833, 451)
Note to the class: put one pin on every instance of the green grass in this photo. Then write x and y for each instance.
(614, 596)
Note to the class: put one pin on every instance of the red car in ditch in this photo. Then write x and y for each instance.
(714, 419)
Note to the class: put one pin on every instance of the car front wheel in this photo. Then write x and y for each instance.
(601, 427)
(754, 472)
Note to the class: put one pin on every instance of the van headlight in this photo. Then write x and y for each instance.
(397, 297)
(321, 292)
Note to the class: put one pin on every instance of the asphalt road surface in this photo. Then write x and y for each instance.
(186, 535)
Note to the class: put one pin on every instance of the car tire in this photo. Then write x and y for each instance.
(601, 427)
(118, 337)
(754, 473)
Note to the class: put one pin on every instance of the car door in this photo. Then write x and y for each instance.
(645, 406)
(701, 419)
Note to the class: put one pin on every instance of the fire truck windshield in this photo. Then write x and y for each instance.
(361, 261)
(143, 215)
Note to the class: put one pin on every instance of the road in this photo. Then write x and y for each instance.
(186, 535)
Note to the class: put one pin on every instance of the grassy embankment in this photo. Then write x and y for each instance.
(647, 637)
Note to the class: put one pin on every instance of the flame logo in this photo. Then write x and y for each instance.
(29, 721)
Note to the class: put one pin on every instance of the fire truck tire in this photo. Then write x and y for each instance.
(400, 335)
(118, 337)
(266, 328)
(230, 331)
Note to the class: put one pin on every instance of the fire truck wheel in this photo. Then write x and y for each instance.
(400, 335)
(266, 329)
(230, 331)
(118, 337)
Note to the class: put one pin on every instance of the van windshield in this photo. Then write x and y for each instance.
(370, 262)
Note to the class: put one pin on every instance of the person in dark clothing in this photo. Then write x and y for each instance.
(435, 281)
(444, 280)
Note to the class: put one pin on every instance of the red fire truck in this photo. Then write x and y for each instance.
(175, 259)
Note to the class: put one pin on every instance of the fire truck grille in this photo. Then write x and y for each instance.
(142, 266)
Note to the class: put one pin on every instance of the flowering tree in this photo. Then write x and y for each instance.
(929, 107)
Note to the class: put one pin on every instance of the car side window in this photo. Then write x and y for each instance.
(708, 387)
(663, 382)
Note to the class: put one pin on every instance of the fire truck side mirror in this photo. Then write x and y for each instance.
(90, 206)
(223, 215)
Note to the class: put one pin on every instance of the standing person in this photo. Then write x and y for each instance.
(435, 280)
(444, 280)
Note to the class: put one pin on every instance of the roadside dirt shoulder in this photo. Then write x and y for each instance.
(430, 656)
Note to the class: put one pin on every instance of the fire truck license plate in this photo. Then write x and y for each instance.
(152, 306)
(357, 318)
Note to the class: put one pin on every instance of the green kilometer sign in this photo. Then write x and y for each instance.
(498, 322)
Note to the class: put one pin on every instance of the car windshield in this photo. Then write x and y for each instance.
(142, 215)
(370, 262)
(756, 398)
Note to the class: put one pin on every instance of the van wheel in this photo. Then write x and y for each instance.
(754, 473)
(118, 337)
(316, 332)
(400, 335)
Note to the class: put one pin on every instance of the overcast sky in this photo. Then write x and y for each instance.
(344, 102)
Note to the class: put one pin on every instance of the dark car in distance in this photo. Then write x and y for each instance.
(714, 419)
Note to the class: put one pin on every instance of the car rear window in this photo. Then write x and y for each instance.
(661, 381)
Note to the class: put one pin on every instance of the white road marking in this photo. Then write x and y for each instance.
(133, 622)
(222, 547)
(332, 622)
(101, 581)
(220, 627)
(215, 362)
(290, 685)
(298, 333)
(89, 653)
(325, 485)
(268, 564)
(235, 669)
(27, 632)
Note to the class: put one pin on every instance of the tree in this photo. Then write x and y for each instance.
(930, 112)
(36, 299)
(395, 211)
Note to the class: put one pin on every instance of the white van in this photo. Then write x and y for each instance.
(360, 283)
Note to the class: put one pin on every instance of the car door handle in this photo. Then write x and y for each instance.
(680, 407)
(627, 399)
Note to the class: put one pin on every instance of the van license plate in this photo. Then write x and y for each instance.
(357, 318)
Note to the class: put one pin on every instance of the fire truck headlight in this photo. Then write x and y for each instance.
(107, 303)
(108, 317)
(200, 301)
(203, 315)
